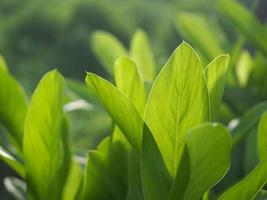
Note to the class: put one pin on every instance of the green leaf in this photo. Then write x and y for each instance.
(178, 100)
(262, 137)
(3, 65)
(129, 82)
(119, 107)
(12, 162)
(215, 74)
(142, 54)
(245, 22)
(248, 187)
(248, 121)
(73, 182)
(107, 49)
(46, 151)
(244, 68)
(105, 171)
(135, 190)
(13, 107)
(187, 24)
(208, 155)
(155, 177)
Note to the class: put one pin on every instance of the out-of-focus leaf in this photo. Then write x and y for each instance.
(142, 54)
(188, 23)
(251, 158)
(248, 121)
(73, 182)
(119, 107)
(12, 162)
(46, 151)
(16, 187)
(3, 64)
(262, 195)
(208, 155)
(248, 187)
(13, 107)
(178, 100)
(215, 74)
(262, 138)
(80, 90)
(155, 177)
(129, 82)
(245, 22)
(243, 68)
(107, 49)
(78, 105)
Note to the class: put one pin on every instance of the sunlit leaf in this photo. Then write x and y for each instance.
(119, 107)
(46, 150)
(13, 107)
(262, 138)
(207, 154)
(215, 74)
(129, 82)
(178, 100)
(248, 187)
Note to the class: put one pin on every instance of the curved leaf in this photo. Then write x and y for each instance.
(178, 100)
(215, 74)
(13, 107)
(248, 187)
(208, 155)
(46, 152)
(129, 82)
(119, 107)
(262, 137)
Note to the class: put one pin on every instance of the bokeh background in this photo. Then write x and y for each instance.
(39, 35)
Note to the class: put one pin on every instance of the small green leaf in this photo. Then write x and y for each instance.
(119, 107)
(13, 107)
(245, 22)
(46, 151)
(178, 100)
(248, 187)
(142, 54)
(107, 49)
(12, 162)
(215, 74)
(129, 82)
(208, 148)
(262, 138)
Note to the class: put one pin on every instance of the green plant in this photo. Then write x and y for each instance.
(164, 144)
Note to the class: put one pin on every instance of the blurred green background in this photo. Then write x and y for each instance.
(38, 35)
